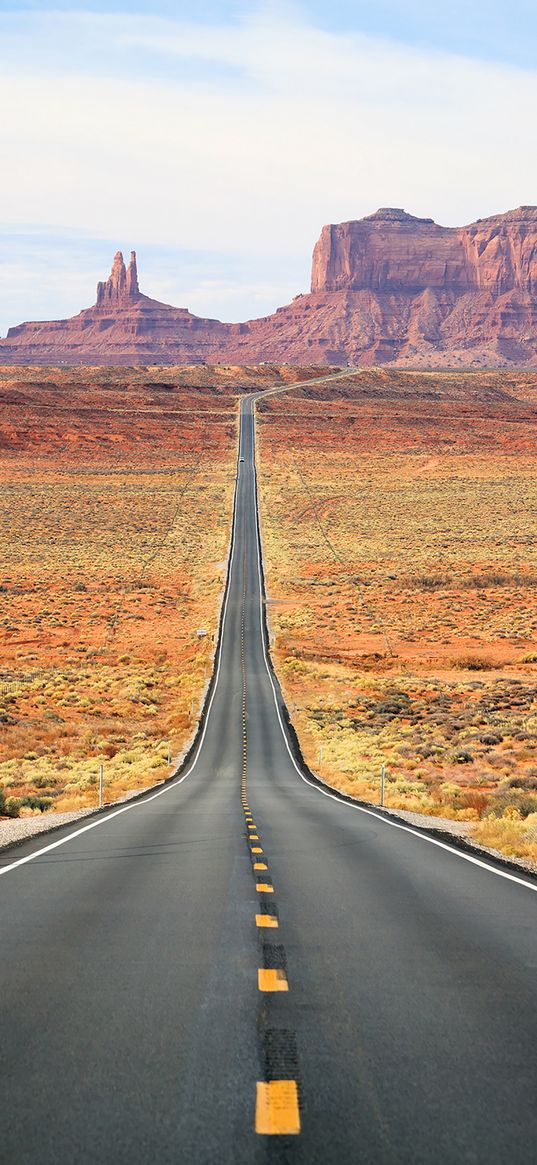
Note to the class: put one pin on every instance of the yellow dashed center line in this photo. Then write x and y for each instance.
(276, 1109)
(266, 920)
(272, 980)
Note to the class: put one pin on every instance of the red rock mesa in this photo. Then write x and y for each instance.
(389, 287)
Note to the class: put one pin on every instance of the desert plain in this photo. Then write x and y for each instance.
(399, 525)
(398, 514)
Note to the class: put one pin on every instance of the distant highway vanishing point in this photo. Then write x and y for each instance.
(244, 967)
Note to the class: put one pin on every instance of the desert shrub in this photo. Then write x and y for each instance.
(427, 751)
(45, 782)
(463, 757)
(524, 781)
(491, 738)
(531, 657)
(12, 806)
(521, 803)
(472, 663)
(33, 802)
(498, 579)
(473, 799)
(431, 582)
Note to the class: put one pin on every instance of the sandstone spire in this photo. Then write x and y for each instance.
(121, 288)
(132, 278)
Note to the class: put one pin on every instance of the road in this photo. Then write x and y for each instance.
(374, 1003)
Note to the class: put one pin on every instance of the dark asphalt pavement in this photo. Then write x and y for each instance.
(133, 1031)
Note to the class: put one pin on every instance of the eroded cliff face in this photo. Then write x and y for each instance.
(391, 252)
(389, 287)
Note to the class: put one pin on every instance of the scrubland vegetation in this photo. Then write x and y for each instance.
(114, 515)
(114, 527)
(400, 533)
(400, 536)
(115, 507)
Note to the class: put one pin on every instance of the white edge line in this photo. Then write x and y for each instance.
(144, 800)
(333, 796)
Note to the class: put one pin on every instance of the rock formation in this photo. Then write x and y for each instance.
(393, 252)
(389, 287)
(121, 287)
(123, 327)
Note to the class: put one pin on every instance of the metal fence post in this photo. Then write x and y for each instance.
(101, 769)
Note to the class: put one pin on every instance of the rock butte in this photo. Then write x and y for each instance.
(389, 287)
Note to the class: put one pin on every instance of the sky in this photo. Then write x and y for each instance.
(217, 138)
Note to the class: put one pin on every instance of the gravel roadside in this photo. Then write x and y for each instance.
(456, 830)
(16, 830)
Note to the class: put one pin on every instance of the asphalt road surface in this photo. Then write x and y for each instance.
(370, 996)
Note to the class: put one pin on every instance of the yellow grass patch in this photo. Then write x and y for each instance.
(398, 518)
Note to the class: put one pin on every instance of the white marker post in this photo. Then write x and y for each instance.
(101, 770)
(382, 776)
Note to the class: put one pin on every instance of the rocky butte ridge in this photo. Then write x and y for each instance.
(388, 287)
(123, 327)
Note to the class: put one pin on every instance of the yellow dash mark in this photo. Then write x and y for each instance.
(264, 888)
(251, 825)
(256, 849)
(266, 920)
(272, 980)
(260, 866)
(276, 1108)
(253, 837)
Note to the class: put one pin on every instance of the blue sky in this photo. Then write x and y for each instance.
(217, 139)
(494, 30)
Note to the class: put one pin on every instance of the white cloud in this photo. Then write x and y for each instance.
(250, 138)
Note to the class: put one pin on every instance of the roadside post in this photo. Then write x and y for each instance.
(169, 755)
(382, 776)
(101, 770)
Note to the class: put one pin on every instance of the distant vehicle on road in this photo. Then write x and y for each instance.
(241, 458)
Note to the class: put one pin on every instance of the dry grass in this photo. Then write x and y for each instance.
(399, 526)
(114, 526)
